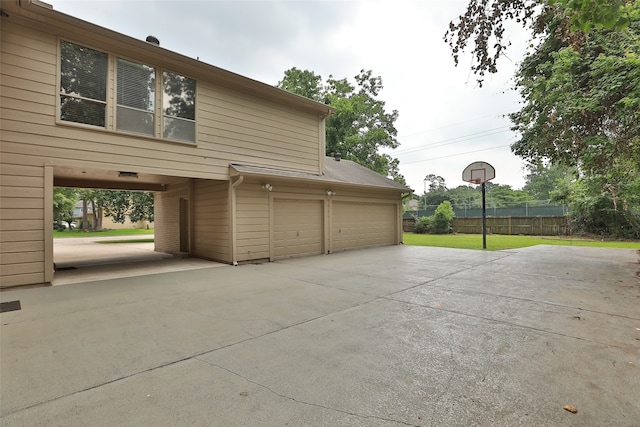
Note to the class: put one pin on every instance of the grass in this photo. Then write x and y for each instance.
(103, 242)
(105, 233)
(497, 242)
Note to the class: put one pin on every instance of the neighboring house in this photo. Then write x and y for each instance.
(107, 222)
(238, 167)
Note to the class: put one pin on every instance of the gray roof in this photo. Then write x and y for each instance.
(335, 172)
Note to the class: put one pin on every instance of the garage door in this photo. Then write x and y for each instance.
(359, 225)
(297, 227)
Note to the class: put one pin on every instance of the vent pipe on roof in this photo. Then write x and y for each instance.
(337, 156)
(153, 40)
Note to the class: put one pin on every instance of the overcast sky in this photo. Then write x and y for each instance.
(445, 121)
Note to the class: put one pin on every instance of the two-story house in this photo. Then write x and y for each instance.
(237, 167)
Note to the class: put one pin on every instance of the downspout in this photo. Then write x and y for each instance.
(234, 185)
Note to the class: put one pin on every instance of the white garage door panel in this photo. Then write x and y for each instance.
(359, 225)
(297, 227)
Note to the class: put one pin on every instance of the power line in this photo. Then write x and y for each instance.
(454, 155)
(453, 124)
(455, 140)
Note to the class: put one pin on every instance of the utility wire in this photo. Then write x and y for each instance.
(454, 155)
(453, 124)
(455, 140)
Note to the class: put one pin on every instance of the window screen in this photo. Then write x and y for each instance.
(136, 93)
(179, 107)
(83, 84)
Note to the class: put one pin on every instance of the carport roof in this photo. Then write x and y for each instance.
(335, 172)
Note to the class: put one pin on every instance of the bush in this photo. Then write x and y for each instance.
(424, 225)
(443, 218)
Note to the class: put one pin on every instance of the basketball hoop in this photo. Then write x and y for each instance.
(478, 173)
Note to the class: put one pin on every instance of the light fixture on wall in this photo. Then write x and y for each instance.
(267, 187)
(331, 193)
(125, 174)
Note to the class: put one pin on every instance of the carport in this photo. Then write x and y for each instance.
(82, 260)
(79, 259)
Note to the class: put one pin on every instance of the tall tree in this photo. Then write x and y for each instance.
(483, 25)
(361, 126)
(581, 89)
(582, 109)
(136, 205)
(64, 201)
(543, 179)
(303, 82)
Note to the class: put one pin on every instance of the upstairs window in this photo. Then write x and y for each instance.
(141, 99)
(179, 107)
(83, 84)
(136, 98)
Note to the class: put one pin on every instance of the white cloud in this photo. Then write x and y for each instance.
(445, 122)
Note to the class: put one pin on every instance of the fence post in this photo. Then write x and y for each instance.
(509, 224)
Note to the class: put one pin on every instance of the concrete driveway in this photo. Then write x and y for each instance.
(393, 336)
(86, 259)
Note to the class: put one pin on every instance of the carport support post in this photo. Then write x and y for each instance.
(484, 218)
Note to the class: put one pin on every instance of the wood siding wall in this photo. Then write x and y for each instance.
(26, 219)
(231, 126)
(255, 225)
(167, 216)
(211, 230)
(252, 222)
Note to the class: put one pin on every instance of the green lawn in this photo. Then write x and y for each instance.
(106, 242)
(80, 233)
(497, 242)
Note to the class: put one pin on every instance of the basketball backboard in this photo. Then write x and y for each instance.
(478, 173)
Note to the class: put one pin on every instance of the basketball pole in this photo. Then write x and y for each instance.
(484, 218)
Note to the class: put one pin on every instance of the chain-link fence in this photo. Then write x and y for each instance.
(529, 208)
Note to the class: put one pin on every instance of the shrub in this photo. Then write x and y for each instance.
(443, 218)
(423, 225)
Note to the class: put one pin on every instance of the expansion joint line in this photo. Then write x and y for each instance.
(316, 405)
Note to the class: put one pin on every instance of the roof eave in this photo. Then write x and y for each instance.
(45, 15)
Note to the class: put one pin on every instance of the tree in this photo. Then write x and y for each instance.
(303, 82)
(483, 24)
(502, 195)
(360, 126)
(581, 89)
(465, 196)
(64, 201)
(119, 205)
(582, 109)
(436, 182)
(436, 191)
(543, 179)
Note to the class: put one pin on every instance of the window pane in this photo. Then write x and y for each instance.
(136, 85)
(179, 129)
(82, 111)
(83, 72)
(137, 121)
(179, 96)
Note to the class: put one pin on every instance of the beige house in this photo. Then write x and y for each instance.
(107, 222)
(238, 167)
